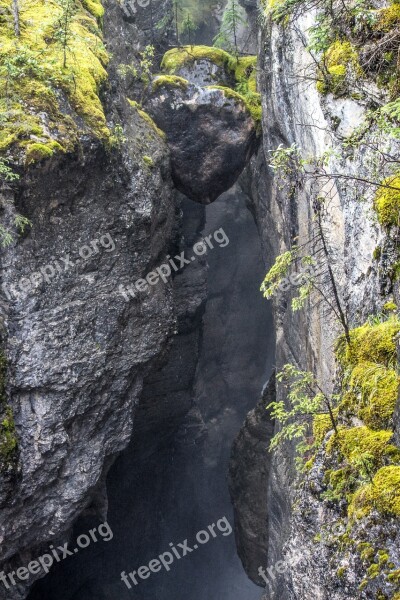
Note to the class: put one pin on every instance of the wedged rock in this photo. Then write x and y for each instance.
(211, 136)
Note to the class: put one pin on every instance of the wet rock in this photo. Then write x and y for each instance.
(248, 484)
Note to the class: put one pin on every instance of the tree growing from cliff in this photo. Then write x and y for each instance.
(305, 400)
(63, 31)
(227, 38)
(314, 257)
(188, 28)
(15, 10)
(7, 176)
(177, 9)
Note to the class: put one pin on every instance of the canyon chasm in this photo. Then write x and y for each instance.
(143, 405)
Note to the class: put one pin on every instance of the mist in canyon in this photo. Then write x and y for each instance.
(166, 490)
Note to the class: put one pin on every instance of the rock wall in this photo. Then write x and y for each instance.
(294, 113)
(77, 350)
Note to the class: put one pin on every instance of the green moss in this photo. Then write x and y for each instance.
(340, 483)
(321, 425)
(373, 571)
(370, 343)
(253, 105)
(387, 18)
(34, 82)
(387, 202)
(389, 307)
(341, 572)
(394, 577)
(8, 438)
(339, 60)
(383, 557)
(35, 152)
(147, 118)
(366, 551)
(186, 55)
(148, 161)
(371, 384)
(376, 390)
(377, 253)
(172, 81)
(357, 441)
(383, 494)
(246, 70)
(95, 7)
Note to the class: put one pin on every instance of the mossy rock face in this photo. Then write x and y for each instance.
(387, 202)
(206, 65)
(214, 68)
(322, 424)
(357, 441)
(8, 438)
(252, 103)
(361, 461)
(340, 61)
(371, 385)
(371, 343)
(202, 65)
(37, 77)
(382, 494)
(387, 18)
(376, 388)
(147, 118)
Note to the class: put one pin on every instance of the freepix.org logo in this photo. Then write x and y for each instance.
(129, 6)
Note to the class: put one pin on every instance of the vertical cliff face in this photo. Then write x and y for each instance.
(296, 525)
(78, 347)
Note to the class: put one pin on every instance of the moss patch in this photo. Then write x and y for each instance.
(387, 18)
(387, 202)
(371, 343)
(322, 424)
(36, 152)
(95, 7)
(383, 494)
(364, 462)
(246, 71)
(186, 55)
(375, 388)
(148, 161)
(8, 438)
(339, 61)
(171, 81)
(357, 441)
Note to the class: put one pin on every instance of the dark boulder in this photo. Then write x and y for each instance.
(211, 135)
